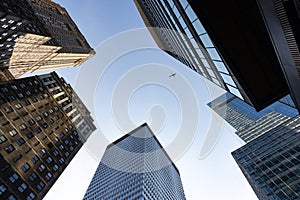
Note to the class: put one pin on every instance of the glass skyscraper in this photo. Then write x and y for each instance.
(271, 158)
(180, 33)
(136, 167)
(247, 121)
(250, 49)
(271, 163)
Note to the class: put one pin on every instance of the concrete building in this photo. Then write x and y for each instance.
(38, 35)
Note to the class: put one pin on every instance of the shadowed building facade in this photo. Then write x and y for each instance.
(136, 167)
(250, 49)
(38, 35)
(43, 126)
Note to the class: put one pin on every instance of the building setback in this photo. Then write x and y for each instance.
(249, 123)
(249, 49)
(43, 126)
(38, 35)
(136, 167)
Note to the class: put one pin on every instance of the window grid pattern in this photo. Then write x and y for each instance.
(135, 167)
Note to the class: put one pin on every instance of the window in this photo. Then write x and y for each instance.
(23, 127)
(41, 185)
(31, 196)
(2, 139)
(29, 135)
(71, 148)
(12, 197)
(67, 154)
(48, 176)
(45, 125)
(56, 140)
(25, 167)
(37, 130)
(20, 95)
(46, 114)
(10, 148)
(9, 109)
(42, 151)
(49, 160)
(27, 102)
(35, 159)
(14, 177)
(55, 167)
(22, 187)
(42, 168)
(13, 132)
(38, 118)
(61, 135)
(55, 153)
(34, 99)
(31, 122)
(67, 141)
(20, 141)
(28, 93)
(3, 188)
(18, 106)
(51, 121)
(61, 147)
(61, 160)
(33, 177)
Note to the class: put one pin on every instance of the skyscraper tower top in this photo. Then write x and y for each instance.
(38, 35)
(136, 167)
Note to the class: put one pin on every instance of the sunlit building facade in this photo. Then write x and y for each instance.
(38, 35)
(43, 126)
(136, 167)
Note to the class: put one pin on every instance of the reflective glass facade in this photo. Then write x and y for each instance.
(247, 121)
(271, 158)
(136, 167)
(179, 32)
(271, 163)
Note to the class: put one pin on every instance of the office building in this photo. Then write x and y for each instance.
(271, 162)
(136, 166)
(271, 156)
(249, 123)
(43, 126)
(250, 49)
(38, 35)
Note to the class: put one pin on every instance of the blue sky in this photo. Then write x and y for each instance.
(135, 87)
